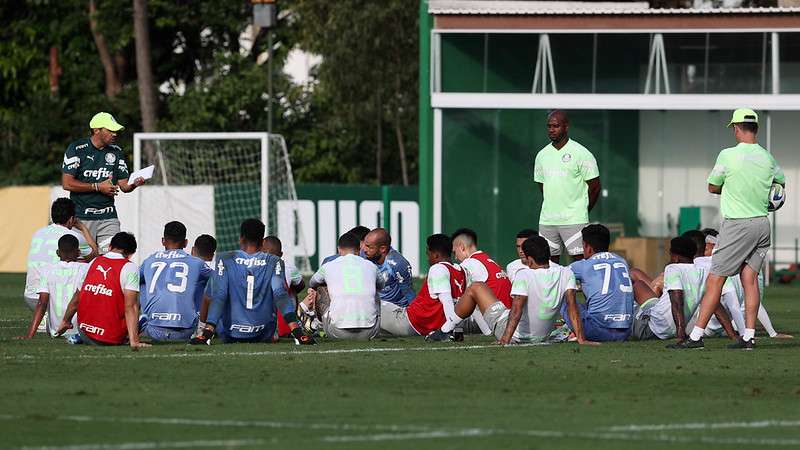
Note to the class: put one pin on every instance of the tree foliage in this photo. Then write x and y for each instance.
(207, 81)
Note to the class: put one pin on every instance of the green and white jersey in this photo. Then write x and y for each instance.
(352, 285)
(545, 289)
(90, 164)
(564, 174)
(61, 280)
(42, 252)
(746, 173)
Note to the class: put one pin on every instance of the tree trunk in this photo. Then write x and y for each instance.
(144, 72)
(378, 139)
(54, 72)
(113, 86)
(398, 131)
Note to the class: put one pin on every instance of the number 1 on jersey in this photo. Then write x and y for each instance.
(251, 284)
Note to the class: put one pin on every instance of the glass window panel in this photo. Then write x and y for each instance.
(685, 55)
(621, 63)
(511, 59)
(789, 44)
(462, 62)
(738, 63)
(572, 62)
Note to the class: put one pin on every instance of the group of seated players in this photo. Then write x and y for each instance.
(251, 294)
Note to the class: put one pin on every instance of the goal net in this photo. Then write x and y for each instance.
(213, 181)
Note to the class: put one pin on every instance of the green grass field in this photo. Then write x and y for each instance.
(397, 393)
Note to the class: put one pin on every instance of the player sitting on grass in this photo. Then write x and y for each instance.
(360, 232)
(733, 288)
(107, 304)
(247, 286)
(434, 304)
(538, 293)
(517, 264)
(344, 293)
(666, 316)
(43, 246)
(204, 248)
(393, 267)
(294, 279)
(171, 282)
(57, 284)
(608, 312)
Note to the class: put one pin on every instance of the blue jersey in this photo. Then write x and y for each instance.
(395, 272)
(170, 282)
(605, 281)
(245, 287)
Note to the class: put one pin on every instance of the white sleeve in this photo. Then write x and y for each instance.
(293, 275)
(520, 285)
(129, 277)
(572, 283)
(438, 280)
(475, 270)
(449, 307)
(318, 278)
(42, 285)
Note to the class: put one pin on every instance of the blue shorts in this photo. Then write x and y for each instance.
(163, 334)
(592, 330)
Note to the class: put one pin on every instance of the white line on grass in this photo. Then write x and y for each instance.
(231, 443)
(707, 426)
(412, 432)
(203, 354)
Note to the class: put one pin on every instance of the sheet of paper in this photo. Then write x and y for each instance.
(145, 173)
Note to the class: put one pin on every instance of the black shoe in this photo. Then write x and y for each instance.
(687, 344)
(439, 336)
(741, 344)
(202, 339)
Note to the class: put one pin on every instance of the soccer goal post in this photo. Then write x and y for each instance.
(213, 181)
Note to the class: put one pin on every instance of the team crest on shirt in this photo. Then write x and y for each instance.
(110, 158)
(566, 158)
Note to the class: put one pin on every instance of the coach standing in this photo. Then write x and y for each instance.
(569, 180)
(743, 175)
(94, 170)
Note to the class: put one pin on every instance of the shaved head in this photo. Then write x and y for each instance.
(380, 236)
(377, 244)
(559, 115)
(557, 128)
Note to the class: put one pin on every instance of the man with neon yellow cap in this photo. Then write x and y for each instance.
(743, 175)
(94, 171)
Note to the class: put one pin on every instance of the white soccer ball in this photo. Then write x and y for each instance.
(777, 196)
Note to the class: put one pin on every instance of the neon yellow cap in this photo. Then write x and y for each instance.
(105, 120)
(743, 115)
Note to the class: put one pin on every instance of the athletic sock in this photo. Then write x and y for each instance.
(449, 326)
(749, 333)
(697, 333)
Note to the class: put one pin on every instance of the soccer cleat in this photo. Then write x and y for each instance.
(741, 344)
(687, 344)
(301, 338)
(203, 338)
(439, 336)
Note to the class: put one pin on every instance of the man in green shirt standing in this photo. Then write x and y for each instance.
(743, 175)
(569, 180)
(94, 171)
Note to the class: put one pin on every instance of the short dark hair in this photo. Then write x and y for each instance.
(206, 245)
(62, 210)
(469, 233)
(710, 232)
(697, 237)
(124, 241)
(360, 232)
(597, 236)
(252, 230)
(526, 233)
(349, 241)
(273, 241)
(175, 232)
(683, 246)
(750, 127)
(440, 243)
(536, 247)
(68, 243)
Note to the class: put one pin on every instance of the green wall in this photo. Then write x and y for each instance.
(487, 170)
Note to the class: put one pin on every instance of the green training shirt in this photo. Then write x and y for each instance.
(564, 174)
(90, 164)
(746, 173)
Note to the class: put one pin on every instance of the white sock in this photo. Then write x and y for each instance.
(697, 333)
(449, 326)
(749, 333)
